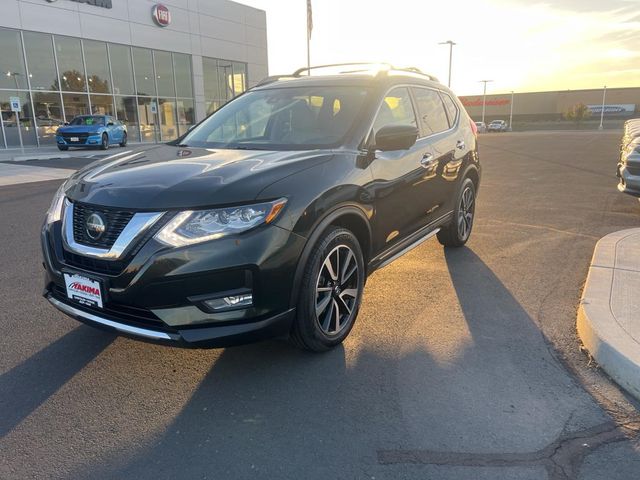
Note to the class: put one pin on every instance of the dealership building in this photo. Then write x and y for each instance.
(619, 103)
(157, 67)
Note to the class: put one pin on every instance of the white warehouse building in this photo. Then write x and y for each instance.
(157, 67)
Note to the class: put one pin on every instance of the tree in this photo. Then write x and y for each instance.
(578, 113)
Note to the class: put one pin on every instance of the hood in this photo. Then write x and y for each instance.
(165, 177)
(79, 128)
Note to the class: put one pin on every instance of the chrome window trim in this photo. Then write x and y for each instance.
(121, 327)
(135, 229)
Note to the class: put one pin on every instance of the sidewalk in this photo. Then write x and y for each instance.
(609, 313)
(49, 152)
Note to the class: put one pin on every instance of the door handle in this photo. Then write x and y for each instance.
(427, 160)
(460, 145)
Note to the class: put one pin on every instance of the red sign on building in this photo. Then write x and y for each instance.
(161, 15)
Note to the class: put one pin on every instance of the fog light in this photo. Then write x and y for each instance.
(232, 302)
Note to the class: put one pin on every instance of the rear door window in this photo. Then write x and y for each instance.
(433, 118)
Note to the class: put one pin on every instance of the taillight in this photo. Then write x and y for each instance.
(474, 128)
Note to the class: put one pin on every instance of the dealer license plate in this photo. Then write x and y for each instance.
(83, 290)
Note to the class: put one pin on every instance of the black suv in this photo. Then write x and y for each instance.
(266, 218)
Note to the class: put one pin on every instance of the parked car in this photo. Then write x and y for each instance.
(628, 170)
(91, 131)
(498, 126)
(266, 218)
(481, 126)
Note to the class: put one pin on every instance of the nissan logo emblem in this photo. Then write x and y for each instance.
(95, 226)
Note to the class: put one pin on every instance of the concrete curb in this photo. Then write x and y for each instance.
(609, 314)
(25, 158)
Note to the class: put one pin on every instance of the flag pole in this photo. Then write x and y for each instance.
(309, 29)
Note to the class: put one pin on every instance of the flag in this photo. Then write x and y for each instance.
(309, 19)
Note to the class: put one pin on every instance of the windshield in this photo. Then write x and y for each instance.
(92, 120)
(294, 118)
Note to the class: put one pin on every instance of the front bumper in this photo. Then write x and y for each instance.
(156, 293)
(203, 337)
(91, 141)
(629, 178)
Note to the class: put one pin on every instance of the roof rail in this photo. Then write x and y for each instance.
(386, 68)
(299, 72)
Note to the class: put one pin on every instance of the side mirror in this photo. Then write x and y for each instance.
(396, 137)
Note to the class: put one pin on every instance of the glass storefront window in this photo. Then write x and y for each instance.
(12, 71)
(239, 78)
(147, 115)
(168, 120)
(210, 73)
(121, 69)
(182, 69)
(95, 56)
(10, 120)
(143, 68)
(225, 80)
(164, 74)
(70, 65)
(102, 105)
(48, 115)
(186, 115)
(40, 61)
(75, 104)
(126, 112)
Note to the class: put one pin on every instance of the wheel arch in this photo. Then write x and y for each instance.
(350, 217)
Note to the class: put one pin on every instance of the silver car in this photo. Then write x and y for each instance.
(629, 165)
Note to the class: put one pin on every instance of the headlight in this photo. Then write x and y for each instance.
(54, 213)
(191, 227)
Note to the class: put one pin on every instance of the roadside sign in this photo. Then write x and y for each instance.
(15, 104)
(154, 107)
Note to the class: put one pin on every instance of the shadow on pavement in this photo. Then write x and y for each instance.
(28, 385)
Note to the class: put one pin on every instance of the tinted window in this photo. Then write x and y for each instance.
(452, 109)
(70, 66)
(431, 110)
(42, 68)
(395, 109)
(121, 69)
(95, 56)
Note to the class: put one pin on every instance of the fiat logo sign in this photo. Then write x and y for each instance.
(161, 15)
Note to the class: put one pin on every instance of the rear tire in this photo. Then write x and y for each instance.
(104, 144)
(330, 292)
(458, 231)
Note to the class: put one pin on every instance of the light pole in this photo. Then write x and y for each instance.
(511, 114)
(451, 44)
(604, 97)
(484, 97)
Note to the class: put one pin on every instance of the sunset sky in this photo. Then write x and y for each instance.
(522, 45)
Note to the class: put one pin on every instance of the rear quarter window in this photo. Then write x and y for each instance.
(451, 108)
(431, 111)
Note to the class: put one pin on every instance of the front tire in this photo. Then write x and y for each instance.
(63, 148)
(123, 143)
(104, 144)
(458, 231)
(330, 293)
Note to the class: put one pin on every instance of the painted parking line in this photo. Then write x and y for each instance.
(16, 174)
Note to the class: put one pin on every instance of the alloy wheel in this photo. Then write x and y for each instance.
(465, 215)
(337, 290)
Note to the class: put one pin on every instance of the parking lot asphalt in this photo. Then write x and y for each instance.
(463, 364)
